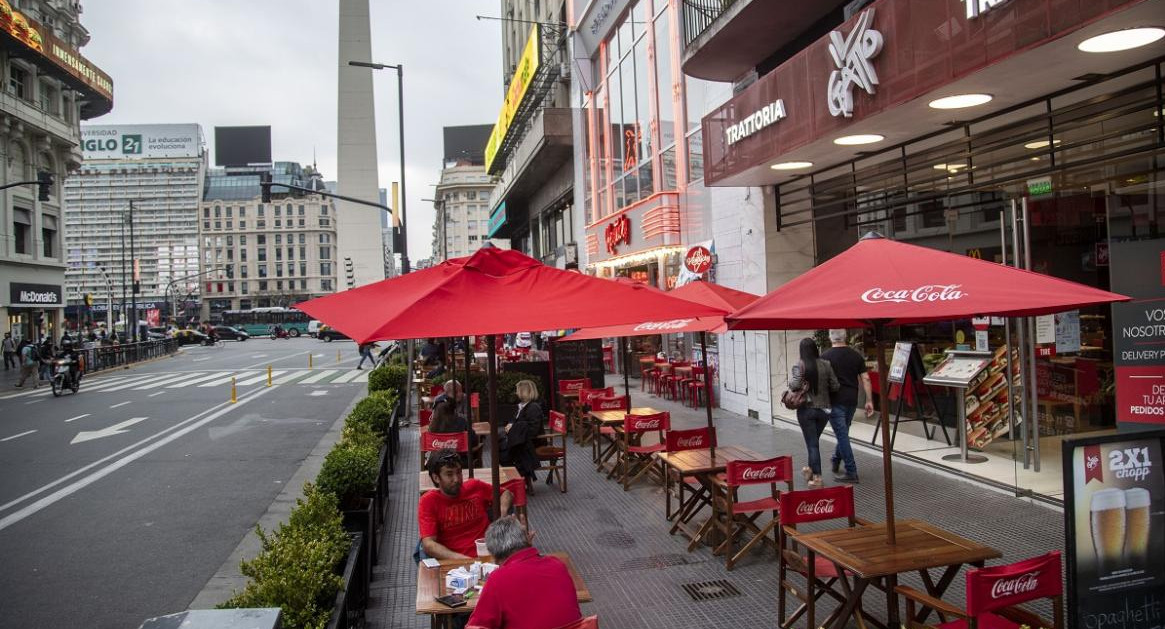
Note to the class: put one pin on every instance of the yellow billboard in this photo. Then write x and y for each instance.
(523, 76)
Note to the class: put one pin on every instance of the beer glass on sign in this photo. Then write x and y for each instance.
(1108, 528)
(1137, 527)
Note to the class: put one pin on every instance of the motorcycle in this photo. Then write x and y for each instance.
(280, 334)
(65, 377)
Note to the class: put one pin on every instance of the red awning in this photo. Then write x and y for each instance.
(726, 299)
(898, 283)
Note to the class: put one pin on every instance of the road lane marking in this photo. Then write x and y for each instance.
(186, 383)
(164, 381)
(119, 385)
(319, 376)
(291, 376)
(35, 401)
(273, 360)
(18, 435)
(198, 360)
(121, 404)
(116, 429)
(259, 378)
(362, 377)
(346, 377)
(149, 381)
(155, 394)
(103, 381)
(78, 417)
(64, 492)
(227, 378)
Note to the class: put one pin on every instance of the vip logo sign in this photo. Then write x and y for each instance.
(698, 260)
(853, 55)
(131, 144)
(1012, 586)
(1131, 463)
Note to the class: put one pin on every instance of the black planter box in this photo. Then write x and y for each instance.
(352, 599)
(363, 520)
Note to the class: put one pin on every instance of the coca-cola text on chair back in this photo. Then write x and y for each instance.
(996, 587)
(775, 470)
(558, 422)
(566, 386)
(609, 403)
(814, 505)
(586, 395)
(633, 424)
(433, 441)
(693, 439)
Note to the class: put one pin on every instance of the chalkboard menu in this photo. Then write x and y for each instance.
(579, 359)
(1114, 517)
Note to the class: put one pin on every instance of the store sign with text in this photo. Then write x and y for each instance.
(41, 40)
(769, 114)
(524, 73)
(698, 260)
(34, 295)
(853, 55)
(1138, 332)
(140, 141)
(1114, 520)
(616, 232)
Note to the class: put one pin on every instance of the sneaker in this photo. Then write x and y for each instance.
(836, 466)
(815, 482)
(849, 479)
(807, 472)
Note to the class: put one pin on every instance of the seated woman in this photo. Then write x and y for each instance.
(446, 419)
(517, 438)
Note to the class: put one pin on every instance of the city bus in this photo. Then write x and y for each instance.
(258, 321)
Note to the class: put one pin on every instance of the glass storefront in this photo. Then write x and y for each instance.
(1062, 182)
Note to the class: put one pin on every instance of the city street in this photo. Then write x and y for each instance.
(120, 502)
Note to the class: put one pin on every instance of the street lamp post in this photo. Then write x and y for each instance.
(443, 243)
(400, 92)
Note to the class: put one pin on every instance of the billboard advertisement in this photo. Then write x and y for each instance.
(1114, 513)
(523, 76)
(1138, 330)
(140, 141)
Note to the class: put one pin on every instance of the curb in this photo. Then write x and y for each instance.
(229, 580)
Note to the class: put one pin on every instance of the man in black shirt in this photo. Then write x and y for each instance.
(850, 367)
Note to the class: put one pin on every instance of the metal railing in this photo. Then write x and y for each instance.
(103, 357)
(351, 601)
(698, 15)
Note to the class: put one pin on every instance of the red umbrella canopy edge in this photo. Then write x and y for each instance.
(898, 283)
(701, 292)
(494, 291)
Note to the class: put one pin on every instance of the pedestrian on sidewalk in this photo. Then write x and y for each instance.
(818, 376)
(29, 361)
(46, 359)
(850, 368)
(366, 354)
(9, 346)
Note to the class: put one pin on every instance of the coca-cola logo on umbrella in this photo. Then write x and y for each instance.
(823, 506)
(919, 295)
(674, 324)
(1011, 586)
(698, 260)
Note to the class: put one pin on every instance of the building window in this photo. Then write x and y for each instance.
(49, 99)
(242, 224)
(22, 231)
(242, 211)
(242, 238)
(262, 270)
(302, 250)
(303, 268)
(279, 270)
(278, 284)
(325, 239)
(279, 239)
(325, 268)
(326, 286)
(230, 254)
(261, 239)
(261, 224)
(301, 210)
(243, 286)
(206, 225)
(229, 211)
(218, 224)
(290, 252)
(218, 211)
(205, 212)
(230, 241)
(303, 284)
(278, 210)
(17, 81)
(325, 222)
(278, 222)
(301, 223)
(261, 210)
(323, 210)
(48, 236)
(302, 238)
(278, 254)
(243, 271)
(262, 284)
(262, 254)
(290, 269)
(230, 225)
(325, 253)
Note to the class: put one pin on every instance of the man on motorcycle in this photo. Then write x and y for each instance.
(68, 351)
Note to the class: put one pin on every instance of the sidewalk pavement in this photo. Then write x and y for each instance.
(636, 571)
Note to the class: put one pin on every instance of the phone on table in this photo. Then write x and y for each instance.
(452, 600)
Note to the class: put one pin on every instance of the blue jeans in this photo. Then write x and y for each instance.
(812, 422)
(840, 418)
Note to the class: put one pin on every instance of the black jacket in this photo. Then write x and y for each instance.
(518, 443)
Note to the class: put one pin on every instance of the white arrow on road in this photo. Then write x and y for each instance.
(116, 429)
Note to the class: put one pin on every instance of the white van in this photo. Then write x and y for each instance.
(313, 327)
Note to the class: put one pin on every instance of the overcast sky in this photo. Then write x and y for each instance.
(273, 62)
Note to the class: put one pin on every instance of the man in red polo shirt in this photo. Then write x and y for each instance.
(455, 516)
(527, 590)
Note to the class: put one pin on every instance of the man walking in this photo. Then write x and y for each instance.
(29, 360)
(9, 346)
(366, 354)
(849, 366)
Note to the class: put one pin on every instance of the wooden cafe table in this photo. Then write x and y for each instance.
(612, 419)
(865, 554)
(431, 584)
(700, 464)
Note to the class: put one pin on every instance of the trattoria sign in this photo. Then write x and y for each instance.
(618, 231)
(759, 119)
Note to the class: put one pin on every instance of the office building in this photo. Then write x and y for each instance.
(49, 88)
(461, 199)
(159, 169)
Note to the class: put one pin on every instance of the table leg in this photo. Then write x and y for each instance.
(935, 589)
(853, 599)
(892, 601)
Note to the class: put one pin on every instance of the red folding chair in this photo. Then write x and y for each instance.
(821, 575)
(552, 456)
(698, 388)
(636, 459)
(605, 443)
(424, 416)
(434, 441)
(669, 382)
(678, 441)
(741, 515)
(518, 488)
(994, 596)
(685, 385)
(582, 426)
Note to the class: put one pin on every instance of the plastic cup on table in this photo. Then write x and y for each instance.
(481, 549)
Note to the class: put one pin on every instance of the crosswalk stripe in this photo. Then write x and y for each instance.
(186, 383)
(226, 378)
(290, 377)
(107, 380)
(318, 376)
(146, 382)
(259, 378)
(105, 386)
(346, 377)
(363, 377)
(169, 380)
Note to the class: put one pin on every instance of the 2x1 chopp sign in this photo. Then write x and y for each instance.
(34, 295)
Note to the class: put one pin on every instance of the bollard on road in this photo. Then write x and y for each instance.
(337, 357)
(309, 355)
(268, 375)
(234, 392)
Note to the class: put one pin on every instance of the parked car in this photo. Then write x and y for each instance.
(329, 334)
(230, 333)
(189, 337)
(313, 327)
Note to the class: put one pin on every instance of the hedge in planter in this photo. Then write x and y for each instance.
(297, 568)
(349, 470)
(389, 378)
(374, 412)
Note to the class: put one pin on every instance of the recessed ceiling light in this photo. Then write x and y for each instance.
(864, 138)
(1121, 40)
(1039, 144)
(960, 101)
(949, 167)
(791, 165)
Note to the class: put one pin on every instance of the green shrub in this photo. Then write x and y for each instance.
(374, 411)
(389, 377)
(297, 568)
(349, 470)
(360, 435)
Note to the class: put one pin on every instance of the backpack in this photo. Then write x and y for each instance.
(794, 400)
(30, 356)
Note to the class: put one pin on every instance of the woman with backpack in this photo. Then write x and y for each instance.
(813, 378)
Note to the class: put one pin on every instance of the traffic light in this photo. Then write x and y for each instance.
(265, 186)
(44, 185)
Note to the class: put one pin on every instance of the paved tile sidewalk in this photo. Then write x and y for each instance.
(620, 544)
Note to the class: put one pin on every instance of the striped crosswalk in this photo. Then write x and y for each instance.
(203, 378)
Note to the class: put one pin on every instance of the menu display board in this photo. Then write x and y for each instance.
(958, 369)
(900, 361)
(1114, 517)
(579, 359)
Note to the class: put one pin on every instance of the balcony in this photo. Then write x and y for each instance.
(545, 146)
(725, 39)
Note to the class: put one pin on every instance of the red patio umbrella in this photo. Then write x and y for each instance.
(879, 282)
(494, 291)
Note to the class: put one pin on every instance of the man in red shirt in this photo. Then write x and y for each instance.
(527, 590)
(455, 516)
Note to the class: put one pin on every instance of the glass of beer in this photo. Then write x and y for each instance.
(1108, 529)
(1137, 526)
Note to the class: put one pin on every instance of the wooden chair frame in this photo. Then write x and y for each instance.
(558, 431)
(738, 517)
(635, 459)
